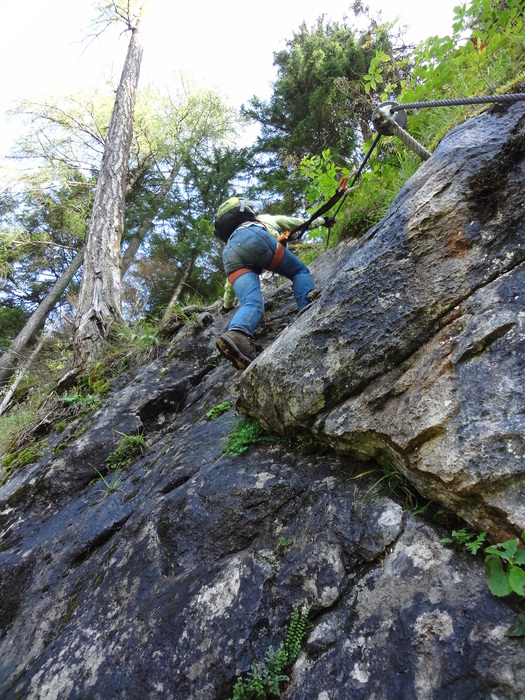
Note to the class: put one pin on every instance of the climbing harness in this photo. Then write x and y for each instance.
(389, 119)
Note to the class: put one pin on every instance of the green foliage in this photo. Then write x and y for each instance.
(144, 338)
(218, 410)
(139, 343)
(13, 461)
(75, 397)
(283, 546)
(246, 432)
(439, 68)
(14, 426)
(319, 98)
(40, 233)
(111, 483)
(456, 66)
(505, 568)
(12, 320)
(390, 484)
(264, 680)
(127, 448)
(280, 550)
(22, 427)
(518, 628)
(468, 539)
(73, 604)
(185, 316)
(323, 176)
(296, 632)
(391, 165)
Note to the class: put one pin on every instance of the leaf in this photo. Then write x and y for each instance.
(518, 628)
(498, 580)
(509, 548)
(505, 550)
(517, 580)
(519, 557)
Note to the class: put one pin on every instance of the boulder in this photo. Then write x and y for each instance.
(414, 354)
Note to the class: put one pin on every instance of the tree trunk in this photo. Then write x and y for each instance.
(178, 290)
(135, 241)
(35, 323)
(99, 299)
(21, 372)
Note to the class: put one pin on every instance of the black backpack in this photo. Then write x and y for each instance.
(230, 215)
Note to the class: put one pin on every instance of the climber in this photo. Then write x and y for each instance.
(250, 248)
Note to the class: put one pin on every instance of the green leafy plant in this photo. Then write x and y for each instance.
(484, 55)
(299, 625)
(127, 448)
(468, 539)
(504, 566)
(218, 410)
(281, 548)
(13, 461)
(110, 483)
(144, 336)
(75, 397)
(127, 347)
(264, 680)
(484, 52)
(323, 176)
(245, 433)
(184, 313)
(391, 483)
(505, 569)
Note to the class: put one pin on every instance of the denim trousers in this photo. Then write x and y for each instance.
(252, 246)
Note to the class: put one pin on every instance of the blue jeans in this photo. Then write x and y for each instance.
(252, 246)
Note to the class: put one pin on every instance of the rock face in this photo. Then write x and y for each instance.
(415, 353)
(171, 584)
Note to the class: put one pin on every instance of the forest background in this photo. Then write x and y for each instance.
(189, 151)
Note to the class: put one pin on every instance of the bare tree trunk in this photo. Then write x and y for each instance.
(35, 323)
(99, 299)
(21, 372)
(174, 299)
(135, 241)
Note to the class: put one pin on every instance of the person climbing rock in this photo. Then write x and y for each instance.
(251, 247)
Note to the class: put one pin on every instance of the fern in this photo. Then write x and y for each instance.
(264, 680)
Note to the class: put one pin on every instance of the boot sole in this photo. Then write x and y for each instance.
(231, 352)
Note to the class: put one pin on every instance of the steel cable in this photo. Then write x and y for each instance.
(483, 99)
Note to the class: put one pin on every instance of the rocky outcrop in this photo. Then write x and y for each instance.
(414, 354)
(174, 581)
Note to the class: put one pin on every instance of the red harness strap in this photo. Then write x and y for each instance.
(234, 275)
(278, 256)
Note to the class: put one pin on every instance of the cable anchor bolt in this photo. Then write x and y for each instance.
(383, 114)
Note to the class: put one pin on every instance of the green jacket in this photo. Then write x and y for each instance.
(275, 225)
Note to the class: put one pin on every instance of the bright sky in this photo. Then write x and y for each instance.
(228, 44)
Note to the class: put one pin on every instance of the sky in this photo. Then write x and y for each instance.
(45, 47)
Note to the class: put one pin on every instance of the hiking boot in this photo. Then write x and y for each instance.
(314, 294)
(237, 347)
(310, 298)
